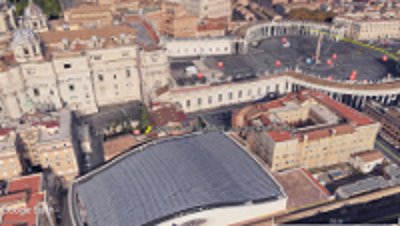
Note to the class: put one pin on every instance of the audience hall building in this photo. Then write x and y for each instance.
(189, 179)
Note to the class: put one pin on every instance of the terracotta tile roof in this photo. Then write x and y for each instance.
(313, 135)
(325, 132)
(300, 188)
(280, 135)
(151, 31)
(119, 145)
(345, 111)
(26, 189)
(356, 118)
(369, 156)
(86, 34)
(211, 26)
(47, 124)
(12, 197)
(344, 129)
(165, 114)
(28, 183)
(85, 8)
(5, 131)
(265, 120)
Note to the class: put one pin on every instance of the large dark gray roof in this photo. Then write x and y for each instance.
(173, 176)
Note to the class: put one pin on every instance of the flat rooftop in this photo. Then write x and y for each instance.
(301, 188)
(174, 176)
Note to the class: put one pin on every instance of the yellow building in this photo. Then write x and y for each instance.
(52, 144)
(10, 163)
(363, 27)
(306, 129)
(89, 15)
(173, 20)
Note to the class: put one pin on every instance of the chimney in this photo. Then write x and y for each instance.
(305, 137)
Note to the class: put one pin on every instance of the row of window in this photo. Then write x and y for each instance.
(240, 94)
(100, 77)
(200, 50)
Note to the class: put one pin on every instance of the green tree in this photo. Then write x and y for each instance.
(144, 118)
(311, 15)
(20, 6)
(51, 8)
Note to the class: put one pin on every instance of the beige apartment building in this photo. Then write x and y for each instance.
(10, 162)
(208, 8)
(51, 143)
(306, 129)
(174, 20)
(89, 15)
(369, 28)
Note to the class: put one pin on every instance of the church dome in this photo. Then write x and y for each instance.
(32, 10)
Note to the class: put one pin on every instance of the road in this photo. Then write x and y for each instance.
(384, 210)
(388, 150)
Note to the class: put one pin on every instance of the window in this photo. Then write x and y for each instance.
(51, 92)
(30, 71)
(230, 95)
(125, 53)
(188, 103)
(36, 92)
(67, 66)
(240, 93)
(115, 76)
(128, 73)
(220, 97)
(71, 87)
(199, 101)
(97, 57)
(249, 92)
(100, 77)
(210, 100)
